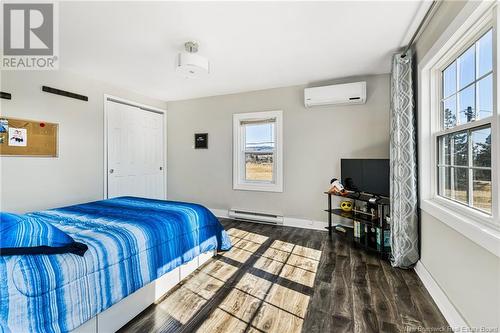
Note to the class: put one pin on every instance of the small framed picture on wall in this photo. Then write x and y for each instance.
(201, 141)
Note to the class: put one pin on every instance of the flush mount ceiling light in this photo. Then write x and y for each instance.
(190, 64)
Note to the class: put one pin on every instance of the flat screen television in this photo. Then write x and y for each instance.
(366, 175)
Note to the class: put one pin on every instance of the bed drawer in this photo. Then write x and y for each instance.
(204, 257)
(188, 268)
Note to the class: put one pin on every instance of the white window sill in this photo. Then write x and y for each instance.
(261, 187)
(487, 236)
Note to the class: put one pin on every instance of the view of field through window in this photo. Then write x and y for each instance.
(259, 151)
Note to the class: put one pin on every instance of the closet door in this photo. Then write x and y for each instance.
(135, 146)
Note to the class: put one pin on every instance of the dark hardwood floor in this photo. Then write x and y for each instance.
(282, 279)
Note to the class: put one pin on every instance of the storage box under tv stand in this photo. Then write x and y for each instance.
(374, 229)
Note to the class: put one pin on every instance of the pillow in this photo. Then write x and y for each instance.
(32, 235)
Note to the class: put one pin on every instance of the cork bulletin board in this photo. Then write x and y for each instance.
(20, 137)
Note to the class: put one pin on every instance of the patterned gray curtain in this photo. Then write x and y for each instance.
(403, 153)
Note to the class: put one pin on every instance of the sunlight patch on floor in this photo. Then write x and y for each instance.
(283, 246)
(221, 321)
(203, 285)
(254, 285)
(298, 268)
(237, 234)
(241, 305)
(307, 264)
(271, 297)
(298, 275)
(273, 319)
(220, 270)
(238, 254)
(245, 243)
(307, 252)
(276, 254)
(256, 238)
(182, 304)
(282, 310)
(288, 300)
(266, 304)
(268, 265)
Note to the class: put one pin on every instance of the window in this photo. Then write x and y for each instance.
(257, 156)
(464, 140)
(458, 132)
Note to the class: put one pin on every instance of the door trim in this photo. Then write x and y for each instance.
(145, 107)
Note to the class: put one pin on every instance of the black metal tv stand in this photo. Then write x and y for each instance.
(371, 226)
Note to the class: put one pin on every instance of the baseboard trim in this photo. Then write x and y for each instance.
(222, 213)
(287, 221)
(304, 223)
(450, 313)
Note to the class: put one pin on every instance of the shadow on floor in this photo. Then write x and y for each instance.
(282, 279)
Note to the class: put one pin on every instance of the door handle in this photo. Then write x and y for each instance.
(111, 170)
(161, 168)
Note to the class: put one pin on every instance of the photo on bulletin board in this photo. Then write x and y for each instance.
(18, 137)
(4, 125)
(4, 130)
(201, 141)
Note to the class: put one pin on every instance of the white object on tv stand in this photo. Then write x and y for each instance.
(115, 317)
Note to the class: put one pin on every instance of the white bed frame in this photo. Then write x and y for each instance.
(122, 312)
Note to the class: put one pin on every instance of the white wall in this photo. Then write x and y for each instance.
(314, 141)
(34, 183)
(468, 274)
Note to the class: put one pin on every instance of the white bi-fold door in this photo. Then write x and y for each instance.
(135, 148)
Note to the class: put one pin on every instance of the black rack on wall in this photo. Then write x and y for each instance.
(371, 228)
(64, 93)
(5, 95)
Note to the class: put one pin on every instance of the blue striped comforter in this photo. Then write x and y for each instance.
(132, 241)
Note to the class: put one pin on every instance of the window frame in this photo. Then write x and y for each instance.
(467, 127)
(239, 166)
(451, 55)
(469, 25)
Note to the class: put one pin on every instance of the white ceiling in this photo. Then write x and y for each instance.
(251, 45)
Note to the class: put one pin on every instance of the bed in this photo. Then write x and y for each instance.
(132, 242)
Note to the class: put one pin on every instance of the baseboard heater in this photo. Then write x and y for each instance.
(248, 215)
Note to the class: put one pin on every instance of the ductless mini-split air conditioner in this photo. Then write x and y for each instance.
(337, 94)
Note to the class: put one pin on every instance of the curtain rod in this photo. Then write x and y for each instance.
(422, 24)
